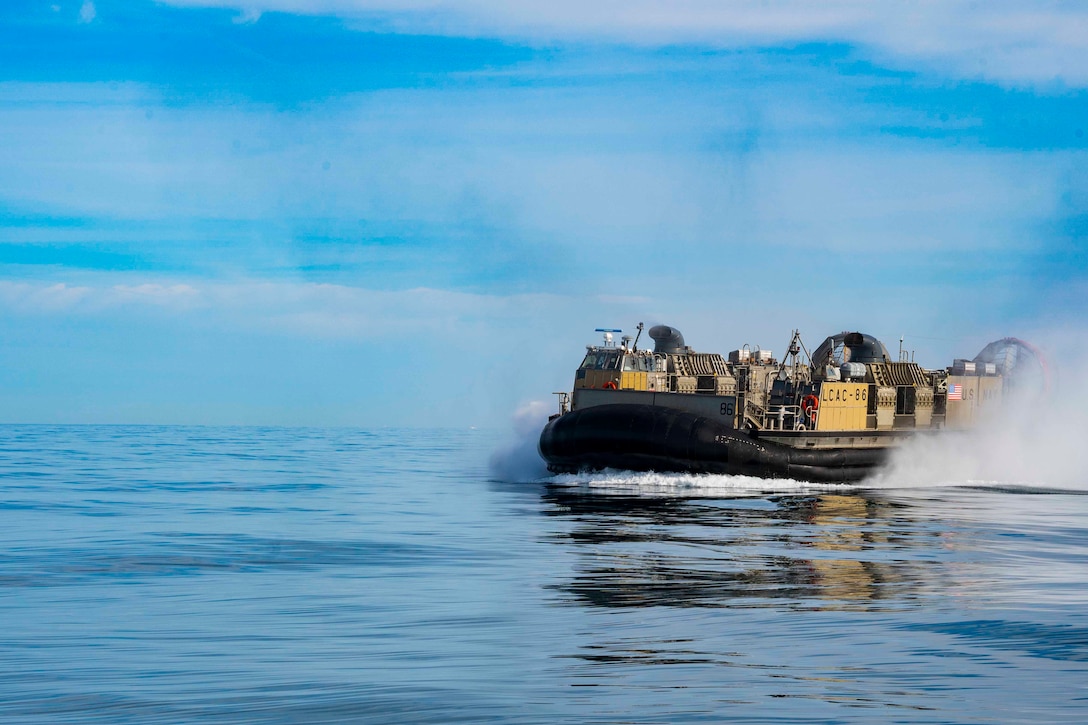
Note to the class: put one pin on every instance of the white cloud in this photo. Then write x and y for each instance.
(41, 297)
(1006, 41)
(580, 172)
(168, 295)
(247, 16)
(62, 297)
(299, 309)
(87, 12)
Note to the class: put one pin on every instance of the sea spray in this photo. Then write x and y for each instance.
(519, 460)
(1034, 440)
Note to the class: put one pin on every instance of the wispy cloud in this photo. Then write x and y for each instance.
(529, 176)
(62, 297)
(300, 309)
(87, 12)
(1007, 41)
(281, 194)
(288, 352)
(26, 297)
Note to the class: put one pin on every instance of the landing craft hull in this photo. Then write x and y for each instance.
(650, 438)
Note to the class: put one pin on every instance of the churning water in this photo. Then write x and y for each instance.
(168, 574)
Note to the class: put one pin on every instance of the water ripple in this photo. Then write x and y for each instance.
(188, 574)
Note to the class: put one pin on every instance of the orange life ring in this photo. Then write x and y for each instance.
(609, 385)
(810, 404)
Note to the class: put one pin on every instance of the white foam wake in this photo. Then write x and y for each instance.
(652, 484)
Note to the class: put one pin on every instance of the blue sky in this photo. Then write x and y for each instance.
(357, 212)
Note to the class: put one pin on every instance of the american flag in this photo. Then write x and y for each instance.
(955, 392)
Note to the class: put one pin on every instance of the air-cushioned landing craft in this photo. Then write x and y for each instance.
(832, 416)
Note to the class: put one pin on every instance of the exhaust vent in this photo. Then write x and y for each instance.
(667, 339)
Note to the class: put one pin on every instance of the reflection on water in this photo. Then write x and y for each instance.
(825, 606)
(277, 575)
(816, 551)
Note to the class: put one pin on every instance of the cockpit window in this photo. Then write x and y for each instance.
(601, 361)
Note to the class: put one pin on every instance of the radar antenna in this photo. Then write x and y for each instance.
(607, 335)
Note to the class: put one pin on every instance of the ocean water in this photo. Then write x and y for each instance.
(273, 575)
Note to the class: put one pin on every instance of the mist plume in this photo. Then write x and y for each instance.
(1035, 439)
(519, 460)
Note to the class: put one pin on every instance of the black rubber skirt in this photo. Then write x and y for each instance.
(650, 438)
